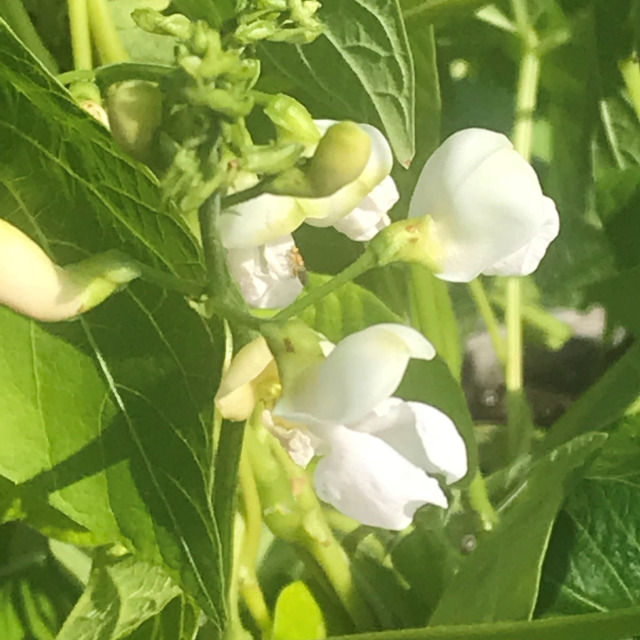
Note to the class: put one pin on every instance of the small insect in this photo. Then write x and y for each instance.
(298, 269)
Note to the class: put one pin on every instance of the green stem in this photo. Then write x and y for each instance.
(520, 431)
(249, 585)
(630, 71)
(479, 500)
(479, 295)
(169, 281)
(365, 262)
(610, 625)
(104, 33)
(80, 35)
(16, 15)
(247, 194)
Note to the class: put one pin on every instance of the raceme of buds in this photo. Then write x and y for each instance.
(488, 210)
(33, 285)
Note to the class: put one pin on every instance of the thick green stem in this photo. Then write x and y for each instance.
(80, 36)
(520, 431)
(365, 262)
(249, 585)
(630, 70)
(479, 500)
(104, 33)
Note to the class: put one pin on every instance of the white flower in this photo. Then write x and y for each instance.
(377, 449)
(358, 209)
(490, 215)
(33, 285)
(268, 275)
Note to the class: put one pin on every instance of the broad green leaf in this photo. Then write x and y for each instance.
(603, 404)
(297, 616)
(179, 620)
(431, 10)
(592, 563)
(109, 417)
(67, 183)
(345, 311)
(121, 594)
(360, 68)
(499, 580)
(618, 295)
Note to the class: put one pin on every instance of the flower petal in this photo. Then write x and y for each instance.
(267, 275)
(422, 434)
(526, 260)
(370, 216)
(260, 221)
(363, 370)
(369, 481)
(485, 200)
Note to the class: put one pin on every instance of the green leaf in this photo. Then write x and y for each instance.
(68, 184)
(592, 561)
(215, 12)
(499, 580)
(179, 620)
(121, 594)
(344, 311)
(360, 68)
(109, 419)
(297, 616)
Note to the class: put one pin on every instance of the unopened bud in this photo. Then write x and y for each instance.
(152, 21)
(33, 285)
(95, 110)
(135, 112)
(292, 120)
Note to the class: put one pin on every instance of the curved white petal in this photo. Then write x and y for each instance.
(369, 481)
(370, 216)
(260, 221)
(324, 212)
(485, 200)
(267, 275)
(422, 434)
(526, 260)
(363, 370)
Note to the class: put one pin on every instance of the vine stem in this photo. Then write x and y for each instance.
(104, 32)
(80, 36)
(479, 295)
(526, 99)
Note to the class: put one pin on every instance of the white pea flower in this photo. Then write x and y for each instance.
(377, 450)
(489, 213)
(33, 285)
(359, 209)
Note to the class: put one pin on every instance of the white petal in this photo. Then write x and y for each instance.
(370, 216)
(267, 275)
(526, 260)
(363, 370)
(369, 481)
(260, 221)
(299, 443)
(485, 200)
(327, 211)
(422, 434)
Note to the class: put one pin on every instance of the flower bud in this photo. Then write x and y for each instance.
(33, 285)
(340, 158)
(152, 21)
(135, 111)
(292, 120)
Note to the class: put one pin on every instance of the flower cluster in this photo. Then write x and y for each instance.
(380, 456)
(257, 233)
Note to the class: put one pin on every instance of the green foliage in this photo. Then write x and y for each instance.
(297, 615)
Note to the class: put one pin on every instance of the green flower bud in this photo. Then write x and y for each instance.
(268, 159)
(341, 156)
(292, 120)
(412, 240)
(152, 21)
(135, 112)
(232, 104)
